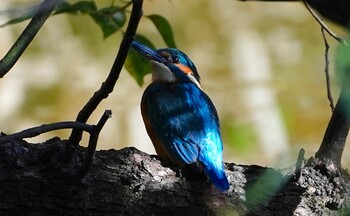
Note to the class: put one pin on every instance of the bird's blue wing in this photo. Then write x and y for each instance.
(182, 116)
(186, 121)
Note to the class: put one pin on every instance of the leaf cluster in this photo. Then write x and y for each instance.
(111, 20)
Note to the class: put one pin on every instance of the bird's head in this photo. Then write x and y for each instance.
(170, 65)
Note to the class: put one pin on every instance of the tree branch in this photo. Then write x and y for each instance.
(130, 182)
(108, 86)
(27, 36)
(93, 130)
(336, 10)
(334, 140)
(298, 164)
(323, 24)
(93, 142)
(35, 131)
(326, 70)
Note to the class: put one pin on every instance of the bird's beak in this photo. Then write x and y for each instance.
(147, 52)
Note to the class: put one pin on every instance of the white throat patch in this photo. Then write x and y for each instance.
(191, 77)
(161, 73)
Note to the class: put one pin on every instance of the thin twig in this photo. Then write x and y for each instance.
(106, 115)
(326, 70)
(35, 131)
(93, 143)
(97, 129)
(298, 164)
(107, 87)
(323, 24)
(27, 36)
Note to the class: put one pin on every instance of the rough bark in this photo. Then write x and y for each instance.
(35, 181)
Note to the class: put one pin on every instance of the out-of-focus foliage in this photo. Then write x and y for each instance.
(137, 65)
(343, 71)
(19, 19)
(164, 28)
(343, 62)
(79, 7)
(112, 19)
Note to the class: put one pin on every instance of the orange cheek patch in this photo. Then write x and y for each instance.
(184, 68)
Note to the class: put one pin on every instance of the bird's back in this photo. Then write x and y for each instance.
(183, 124)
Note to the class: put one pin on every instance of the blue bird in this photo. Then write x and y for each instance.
(180, 118)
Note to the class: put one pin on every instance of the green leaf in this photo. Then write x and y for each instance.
(64, 7)
(110, 19)
(342, 65)
(136, 64)
(164, 28)
(79, 7)
(342, 62)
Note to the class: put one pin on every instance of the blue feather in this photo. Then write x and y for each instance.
(185, 120)
(179, 117)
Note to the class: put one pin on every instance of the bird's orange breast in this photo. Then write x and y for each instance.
(157, 143)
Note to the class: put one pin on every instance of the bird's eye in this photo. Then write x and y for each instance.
(175, 60)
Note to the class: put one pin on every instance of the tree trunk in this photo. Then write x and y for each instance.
(35, 181)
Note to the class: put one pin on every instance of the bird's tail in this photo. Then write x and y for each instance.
(217, 177)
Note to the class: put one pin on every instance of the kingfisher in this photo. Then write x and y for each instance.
(179, 117)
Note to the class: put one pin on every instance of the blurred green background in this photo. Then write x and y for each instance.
(261, 63)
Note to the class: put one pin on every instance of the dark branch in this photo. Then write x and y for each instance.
(326, 70)
(323, 24)
(106, 115)
(93, 142)
(130, 182)
(336, 10)
(298, 164)
(333, 142)
(107, 87)
(35, 131)
(27, 36)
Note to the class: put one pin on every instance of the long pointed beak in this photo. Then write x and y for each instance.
(147, 52)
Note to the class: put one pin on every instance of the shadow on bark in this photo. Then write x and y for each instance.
(35, 181)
